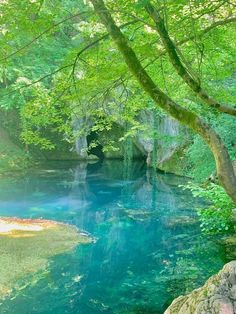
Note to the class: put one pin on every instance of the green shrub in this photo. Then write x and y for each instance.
(216, 215)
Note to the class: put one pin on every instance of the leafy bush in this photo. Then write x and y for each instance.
(197, 155)
(200, 160)
(216, 217)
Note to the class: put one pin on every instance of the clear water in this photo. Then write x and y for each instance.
(149, 247)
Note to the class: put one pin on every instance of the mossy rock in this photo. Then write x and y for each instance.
(218, 295)
(176, 164)
(26, 246)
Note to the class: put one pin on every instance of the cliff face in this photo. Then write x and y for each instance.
(165, 139)
(159, 143)
(217, 296)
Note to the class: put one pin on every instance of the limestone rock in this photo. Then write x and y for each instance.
(171, 136)
(168, 141)
(217, 296)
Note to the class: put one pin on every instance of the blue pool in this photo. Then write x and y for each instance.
(148, 248)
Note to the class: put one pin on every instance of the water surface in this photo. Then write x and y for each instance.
(148, 250)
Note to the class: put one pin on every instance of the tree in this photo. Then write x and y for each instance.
(223, 163)
(91, 73)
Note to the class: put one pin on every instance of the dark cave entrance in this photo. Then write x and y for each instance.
(97, 151)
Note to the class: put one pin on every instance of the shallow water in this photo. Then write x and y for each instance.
(148, 250)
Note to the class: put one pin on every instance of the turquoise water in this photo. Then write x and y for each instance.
(148, 249)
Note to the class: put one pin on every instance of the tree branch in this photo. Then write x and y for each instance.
(95, 42)
(41, 34)
(181, 69)
(105, 36)
(40, 79)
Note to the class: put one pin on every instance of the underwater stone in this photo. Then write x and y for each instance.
(26, 246)
(138, 214)
(181, 221)
(217, 296)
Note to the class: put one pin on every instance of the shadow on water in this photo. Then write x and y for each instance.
(149, 248)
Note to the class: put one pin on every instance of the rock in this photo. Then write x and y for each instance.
(138, 214)
(171, 137)
(92, 157)
(234, 165)
(176, 162)
(80, 129)
(26, 246)
(217, 296)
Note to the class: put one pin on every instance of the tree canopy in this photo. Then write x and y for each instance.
(104, 63)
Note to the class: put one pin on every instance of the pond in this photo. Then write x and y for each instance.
(148, 247)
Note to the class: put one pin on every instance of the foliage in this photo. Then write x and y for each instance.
(14, 160)
(198, 152)
(216, 217)
(12, 157)
(51, 55)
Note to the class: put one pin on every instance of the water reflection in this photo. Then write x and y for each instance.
(148, 250)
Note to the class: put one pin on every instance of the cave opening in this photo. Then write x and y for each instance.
(98, 150)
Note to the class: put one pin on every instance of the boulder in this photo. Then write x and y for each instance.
(217, 296)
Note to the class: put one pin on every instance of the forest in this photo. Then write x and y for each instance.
(118, 156)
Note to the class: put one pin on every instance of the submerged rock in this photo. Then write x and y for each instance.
(217, 296)
(173, 222)
(138, 214)
(26, 245)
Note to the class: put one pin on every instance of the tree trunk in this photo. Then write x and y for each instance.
(183, 115)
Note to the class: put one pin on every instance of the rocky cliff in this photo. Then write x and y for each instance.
(159, 141)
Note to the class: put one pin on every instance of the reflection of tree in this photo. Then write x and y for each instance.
(80, 194)
(141, 201)
(81, 198)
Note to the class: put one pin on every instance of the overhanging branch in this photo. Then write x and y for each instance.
(181, 69)
(42, 34)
